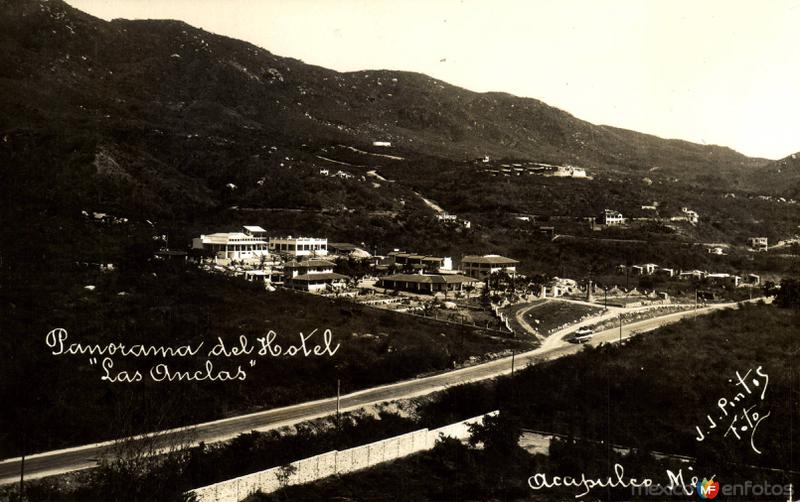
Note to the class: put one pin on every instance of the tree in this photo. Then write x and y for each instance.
(285, 472)
(788, 296)
(499, 434)
(469, 288)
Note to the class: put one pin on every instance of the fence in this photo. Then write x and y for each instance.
(333, 463)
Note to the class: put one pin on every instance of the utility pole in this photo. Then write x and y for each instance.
(22, 463)
(22, 478)
(620, 327)
(513, 354)
(338, 395)
(696, 295)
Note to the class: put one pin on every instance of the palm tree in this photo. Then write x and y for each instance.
(469, 288)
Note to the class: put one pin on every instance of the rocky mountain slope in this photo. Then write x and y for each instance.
(160, 117)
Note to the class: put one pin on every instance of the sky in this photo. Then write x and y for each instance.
(712, 72)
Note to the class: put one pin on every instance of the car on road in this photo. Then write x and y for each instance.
(582, 335)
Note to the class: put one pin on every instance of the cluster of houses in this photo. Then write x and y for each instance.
(687, 215)
(433, 274)
(290, 261)
(308, 263)
(337, 174)
(717, 279)
(452, 219)
(535, 168)
(612, 217)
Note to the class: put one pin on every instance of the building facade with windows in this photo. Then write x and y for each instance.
(758, 243)
(479, 267)
(412, 262)
(298, 246)
(251, 243)
(312, 275)
(611, 217)
(426, 283)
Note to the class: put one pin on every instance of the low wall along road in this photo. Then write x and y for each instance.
(333, 462)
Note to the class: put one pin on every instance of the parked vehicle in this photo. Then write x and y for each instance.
(583, 335)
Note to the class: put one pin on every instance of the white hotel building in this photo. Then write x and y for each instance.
(249, 244)
(298, 246)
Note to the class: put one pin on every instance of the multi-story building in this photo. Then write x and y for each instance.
(312, 275)
(294, 268)
(419, 262)
(480, 267)
(728, 280)
(249, 244)
(298, 246)
(611, 217)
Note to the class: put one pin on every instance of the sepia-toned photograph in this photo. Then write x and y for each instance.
(382, 250)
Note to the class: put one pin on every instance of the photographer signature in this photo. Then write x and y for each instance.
(741, 421)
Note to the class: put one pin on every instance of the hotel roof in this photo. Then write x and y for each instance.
(489, 259)
(230, 238)
(328, 276)
(309, 263)
(254, 228)
(429, 278)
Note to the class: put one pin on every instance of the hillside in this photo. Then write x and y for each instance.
(164, 116)
(183, 132)
(785, 175)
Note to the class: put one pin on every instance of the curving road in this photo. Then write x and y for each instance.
(83, 457)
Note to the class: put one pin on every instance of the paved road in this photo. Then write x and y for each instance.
(83, 457)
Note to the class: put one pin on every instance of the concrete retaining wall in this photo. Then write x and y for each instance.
(333, 462)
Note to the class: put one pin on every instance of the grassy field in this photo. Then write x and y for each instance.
(554, 315)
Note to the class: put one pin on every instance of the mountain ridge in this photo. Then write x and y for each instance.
(197, 109)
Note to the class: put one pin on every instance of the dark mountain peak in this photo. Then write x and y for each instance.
(157, 82)
(45, 14)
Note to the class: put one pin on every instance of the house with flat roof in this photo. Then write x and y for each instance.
(664, 272)
(611, 217)
(479, 267)
(426, 283)
(691, 216)
(752, 279)
(412, 262)
(758, 243)
(692, 274)
(298, 246)
(251, 243)
(728, 280)
(650, 268)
